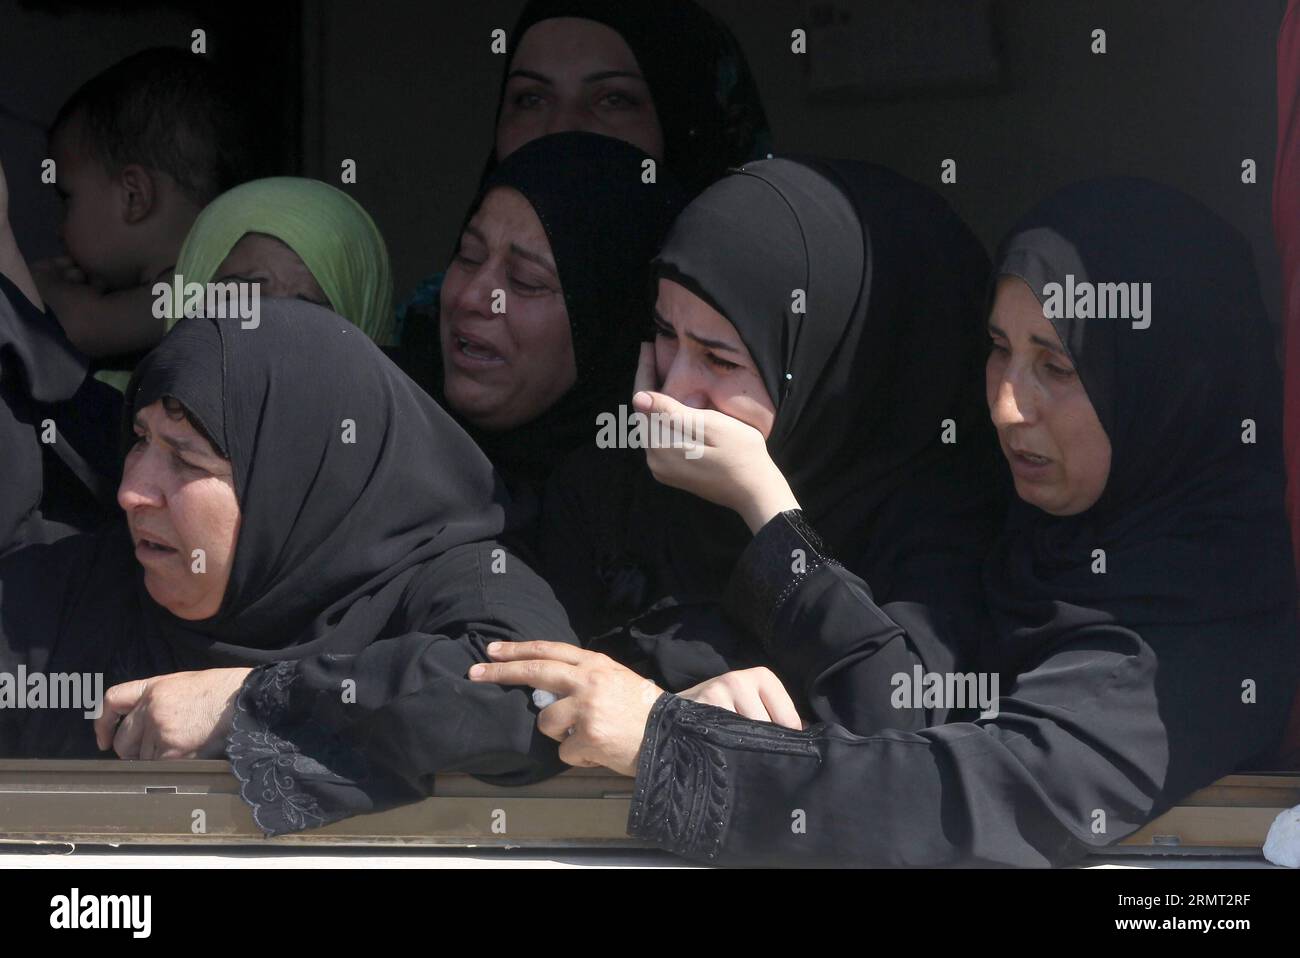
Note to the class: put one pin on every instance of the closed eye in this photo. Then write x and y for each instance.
(721, 363)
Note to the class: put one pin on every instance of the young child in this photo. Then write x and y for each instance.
(139, 150)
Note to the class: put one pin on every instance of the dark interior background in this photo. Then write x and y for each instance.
(1185, 93)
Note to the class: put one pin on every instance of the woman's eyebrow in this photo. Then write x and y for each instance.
(712, 343)
(612, 74)
(1048, 344)
(589, 78)
(1035, 339)
(531, 75)
(179, 443)
(537, 258)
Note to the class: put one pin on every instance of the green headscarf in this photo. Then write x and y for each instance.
(334, 237)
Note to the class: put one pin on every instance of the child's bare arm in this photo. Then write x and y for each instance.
(12, 263)
(100, 324)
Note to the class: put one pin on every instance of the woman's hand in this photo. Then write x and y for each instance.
(600, 716)
(718, 458)
(752, 693)
(181, 715)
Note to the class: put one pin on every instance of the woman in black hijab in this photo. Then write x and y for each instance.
(705, 101)
(314, 571)
(603, 215)
(663, 75)
(1142, 594)
(856, 294)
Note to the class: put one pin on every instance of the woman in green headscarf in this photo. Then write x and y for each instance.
(297, 238)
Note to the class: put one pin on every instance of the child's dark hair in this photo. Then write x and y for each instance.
(169, 110)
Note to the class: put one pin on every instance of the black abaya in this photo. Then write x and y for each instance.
(1123, 690)
(879, 429)
(366, 580)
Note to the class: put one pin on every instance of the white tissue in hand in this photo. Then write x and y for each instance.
(543, 698)
(1282, 847)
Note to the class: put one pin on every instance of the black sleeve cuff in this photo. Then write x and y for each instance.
(680, 798)
(293, 772)
(683, 798)
(780, 556)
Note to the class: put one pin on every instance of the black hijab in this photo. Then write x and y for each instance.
(604, 224)
(1191, 519)
(366, 521)
(887, 350)
(704, 94)
(335, 537)
(333, 533)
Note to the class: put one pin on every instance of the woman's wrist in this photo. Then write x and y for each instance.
(771, 498)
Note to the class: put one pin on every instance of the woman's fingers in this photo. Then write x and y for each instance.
(778, 703)
(573, 751)
(554, 721)
(552, 676)
(130, 733)
(711, 692)
(645, 370)
(749, 704)
(527, 651)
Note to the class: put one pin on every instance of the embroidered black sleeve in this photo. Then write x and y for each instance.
(295, 773)
(683, 797)
(680, 798)
(782, 554)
